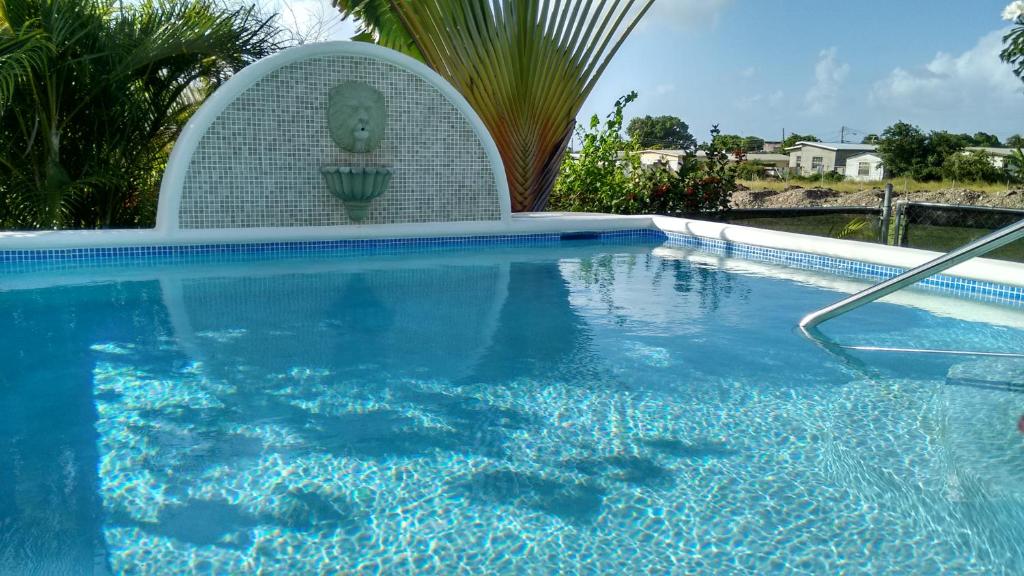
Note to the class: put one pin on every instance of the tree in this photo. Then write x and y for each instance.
(93, 94)
(870, 139)
(793, 138)
(661, 132)
(1013, 42)
(1015, 141)
(753, 144)
(1015, 165)
(525, 66)
(903, 147)
(730, 143)
(942, 144)
(986, 139)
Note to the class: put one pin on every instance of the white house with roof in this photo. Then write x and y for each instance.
(997, 156)
(864, 167)
(773, 163)
(819, 157)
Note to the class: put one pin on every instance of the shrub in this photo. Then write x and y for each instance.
(597, 179)
(971, 167)
(748, 170)
(607, 176)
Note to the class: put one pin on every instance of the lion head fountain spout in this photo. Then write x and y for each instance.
(356, 116)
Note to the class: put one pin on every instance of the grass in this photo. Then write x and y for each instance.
(899, 184)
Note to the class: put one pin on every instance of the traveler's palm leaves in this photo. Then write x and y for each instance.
(525, 66)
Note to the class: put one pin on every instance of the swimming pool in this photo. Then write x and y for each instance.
(621, 406)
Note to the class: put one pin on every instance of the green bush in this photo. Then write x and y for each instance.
(971, 167)
(818, 179)
(607, 176)
(748, 170)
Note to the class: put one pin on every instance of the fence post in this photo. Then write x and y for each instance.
(886, 213)
(901, 209)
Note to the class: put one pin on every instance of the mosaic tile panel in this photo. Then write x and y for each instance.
(943, 283)
(258, 165)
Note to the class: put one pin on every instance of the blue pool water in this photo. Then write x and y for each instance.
(578, 409)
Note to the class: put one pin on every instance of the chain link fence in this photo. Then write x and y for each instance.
(848, 222)
(928, 226)
(942, 227)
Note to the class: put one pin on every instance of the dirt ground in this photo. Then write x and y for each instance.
(799, 197)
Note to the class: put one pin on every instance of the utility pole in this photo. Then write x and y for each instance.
(782, 149)
(842, 134)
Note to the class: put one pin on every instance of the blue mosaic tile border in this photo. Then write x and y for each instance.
(961, 287)
(76, 258)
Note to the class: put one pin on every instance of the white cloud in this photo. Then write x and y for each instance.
(663, 89)
(748, 72)
(749, 102)
(829, 75)
(975, 83)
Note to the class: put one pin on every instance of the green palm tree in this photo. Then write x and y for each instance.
(1015, 164)
(379, 24)
(93, 94)
(1013, 47)
(525, 66)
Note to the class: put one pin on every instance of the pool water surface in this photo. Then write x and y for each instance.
(588, 408)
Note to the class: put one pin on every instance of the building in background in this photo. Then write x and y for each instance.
(864, 167)
(997, 156)
(774, 163)
(807, 158)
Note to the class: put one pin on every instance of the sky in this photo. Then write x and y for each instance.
(758, 67)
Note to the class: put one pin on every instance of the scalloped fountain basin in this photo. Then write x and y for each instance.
(356, 186)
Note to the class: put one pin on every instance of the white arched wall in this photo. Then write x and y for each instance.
(250, 156)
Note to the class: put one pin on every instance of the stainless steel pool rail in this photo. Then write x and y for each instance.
(979, 247)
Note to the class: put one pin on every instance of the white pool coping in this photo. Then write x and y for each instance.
(982, 269)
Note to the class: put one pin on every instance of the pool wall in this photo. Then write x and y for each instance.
(979, 278)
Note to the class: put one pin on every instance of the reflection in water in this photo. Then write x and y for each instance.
(584, 410)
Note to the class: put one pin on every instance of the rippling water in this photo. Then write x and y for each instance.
(589, 408)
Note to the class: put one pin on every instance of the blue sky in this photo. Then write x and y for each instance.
(757, 67)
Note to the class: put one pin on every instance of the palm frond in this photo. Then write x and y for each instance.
(379, 24)
(22, 55)
(526, 67)
(1013, 48)
(86, 137)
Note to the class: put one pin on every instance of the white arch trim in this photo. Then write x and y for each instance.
(173, 183)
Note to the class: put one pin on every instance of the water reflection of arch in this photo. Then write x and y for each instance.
(275, 317)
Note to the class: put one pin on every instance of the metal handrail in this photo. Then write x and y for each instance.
(979, 247)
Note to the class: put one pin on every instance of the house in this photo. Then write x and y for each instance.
(772, 146)
(776, 163)
(865, 167)
(670, 157)
(807, 158)
(997, 156)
